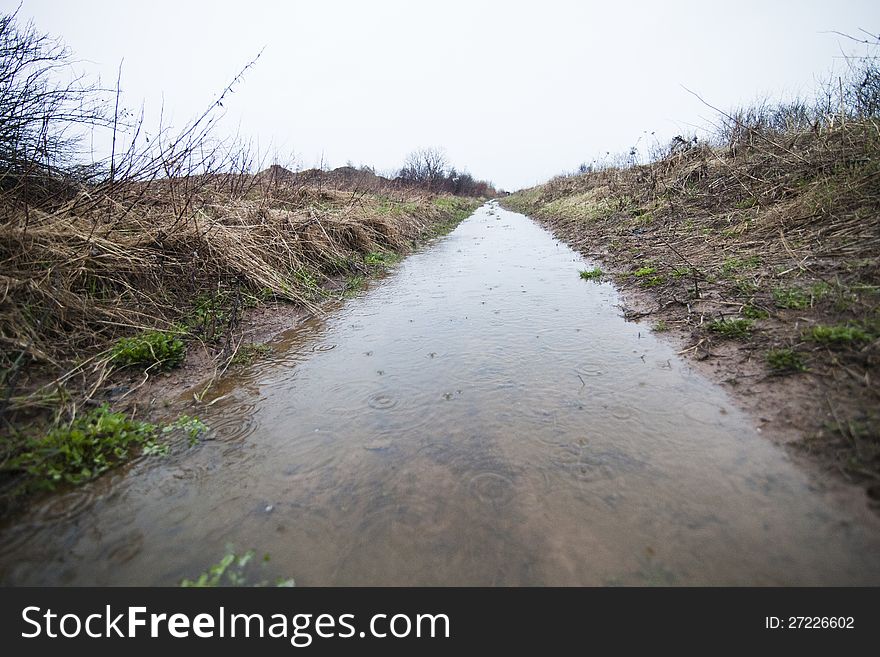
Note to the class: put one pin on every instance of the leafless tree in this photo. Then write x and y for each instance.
(45, 107)
(425, 166)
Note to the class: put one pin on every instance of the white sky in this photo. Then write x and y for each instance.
(514, 91)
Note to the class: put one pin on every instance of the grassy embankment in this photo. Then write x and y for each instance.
(133, 279)
(761, 247)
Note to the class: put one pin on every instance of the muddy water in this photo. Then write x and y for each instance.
(481, 416)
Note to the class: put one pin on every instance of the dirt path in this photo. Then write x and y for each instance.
(482, 416)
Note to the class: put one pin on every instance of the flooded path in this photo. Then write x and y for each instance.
(480, 417)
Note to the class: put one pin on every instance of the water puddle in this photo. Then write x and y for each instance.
(481, 417)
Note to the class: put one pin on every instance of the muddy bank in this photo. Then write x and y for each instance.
(164, 394)
(186, 388)
(199, 314)
(762, 271)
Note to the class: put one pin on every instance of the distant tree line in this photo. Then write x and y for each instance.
(47, 109)
(429, 169)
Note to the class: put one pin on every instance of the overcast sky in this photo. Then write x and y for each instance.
(514, 91)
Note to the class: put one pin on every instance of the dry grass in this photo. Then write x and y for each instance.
(74, 281)
(123, 260)
(776, 227)
(170, 262)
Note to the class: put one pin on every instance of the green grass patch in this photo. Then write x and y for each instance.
(798, 298)
(447, 203)
(306, 280)
(642, 217)
(753, 312)
(738, 328)
(455, 210)
(396, 208)
(92, 443)
(784, 361)
(354, 284)
(593, 274)
(648, 276)
(794, 298)
(163, 350)
(839, 335)
(652, 281)
(445, 227)
(745, 287)
(82, 449)
(381, 258)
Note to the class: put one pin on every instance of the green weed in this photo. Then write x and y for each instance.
(731, 328)
(307, 280)
(338, 265)
(233, 570)
(839, 335)
(212, 312)
(642, 217)
(586, 207)
(149, 349)
(648, 276)
(799, 298)
(785, 360)
(753, 312)
(397, 208)
(652, 281)
(791, 298)
(354, 284)
(91, 444)
(381, 258)
(192, 427)
(745, 287)
(81, 450)
(592, 274)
